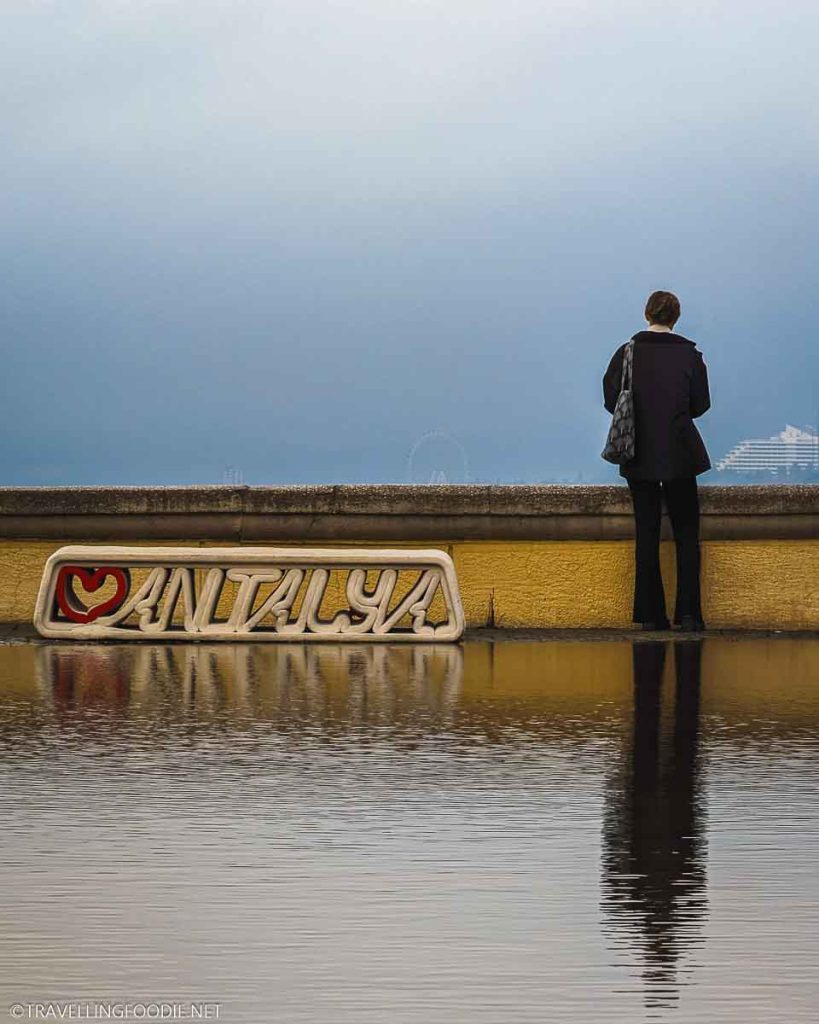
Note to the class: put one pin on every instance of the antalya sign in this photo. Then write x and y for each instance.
(271, 594)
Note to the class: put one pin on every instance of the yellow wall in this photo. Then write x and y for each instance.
(762, 584)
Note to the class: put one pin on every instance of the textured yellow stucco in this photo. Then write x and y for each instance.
(21, 566)
(762, 584)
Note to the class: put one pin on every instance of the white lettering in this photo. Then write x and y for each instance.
(357, 588)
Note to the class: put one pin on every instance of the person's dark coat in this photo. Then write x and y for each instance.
(670, 384)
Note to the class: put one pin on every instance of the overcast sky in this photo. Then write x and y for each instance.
(294, 236)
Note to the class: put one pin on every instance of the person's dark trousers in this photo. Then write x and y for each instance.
(682, 501)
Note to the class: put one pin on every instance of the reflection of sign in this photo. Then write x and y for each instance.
(99, 593)
(306, 684)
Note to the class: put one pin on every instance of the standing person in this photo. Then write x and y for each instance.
(670, 386)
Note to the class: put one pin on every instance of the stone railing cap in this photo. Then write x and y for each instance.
(391, 500)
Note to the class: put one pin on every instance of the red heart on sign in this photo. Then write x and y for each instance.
(91, 579)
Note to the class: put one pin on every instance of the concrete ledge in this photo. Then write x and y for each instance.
(550, 557)
(25, 633)
(387, 513)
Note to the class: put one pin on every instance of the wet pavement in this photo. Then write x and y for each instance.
(566, 829)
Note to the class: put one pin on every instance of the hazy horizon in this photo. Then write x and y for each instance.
(282, 243)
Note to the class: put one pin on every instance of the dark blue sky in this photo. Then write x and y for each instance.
(291, 238)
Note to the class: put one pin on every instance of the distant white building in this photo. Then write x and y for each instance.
(792, 449)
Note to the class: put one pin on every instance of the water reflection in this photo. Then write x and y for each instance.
(653, 863)
(291, 684)
(411, 833)
(490, 693)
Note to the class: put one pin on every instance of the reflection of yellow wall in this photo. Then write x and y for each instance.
(762, 687)
(559, 584)
(526, 672)
(778, 678)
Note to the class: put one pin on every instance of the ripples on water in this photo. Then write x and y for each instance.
(567, 831)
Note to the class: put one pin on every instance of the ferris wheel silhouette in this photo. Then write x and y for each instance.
(437, 457)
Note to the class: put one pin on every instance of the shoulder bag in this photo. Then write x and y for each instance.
(620, 443)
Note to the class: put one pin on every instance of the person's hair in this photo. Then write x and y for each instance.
(663, 308)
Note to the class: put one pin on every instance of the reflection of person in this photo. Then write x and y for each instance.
(670, 384)
(653, 858)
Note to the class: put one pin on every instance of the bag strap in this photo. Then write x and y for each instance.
(628, 357)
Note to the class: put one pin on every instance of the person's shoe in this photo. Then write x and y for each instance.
(688, 624)
(655, 627)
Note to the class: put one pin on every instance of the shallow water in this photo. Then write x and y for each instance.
(504, 832)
